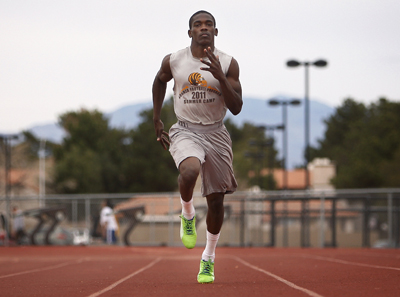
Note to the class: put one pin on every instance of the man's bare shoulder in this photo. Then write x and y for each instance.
(165, 74)
(233, 70)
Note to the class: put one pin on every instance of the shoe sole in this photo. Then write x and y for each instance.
(207, 283)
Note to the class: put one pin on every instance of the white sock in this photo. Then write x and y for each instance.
(209, 251)
(188, 209)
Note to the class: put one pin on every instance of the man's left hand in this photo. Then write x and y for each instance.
(214, 64)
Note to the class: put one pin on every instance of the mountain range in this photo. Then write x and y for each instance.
(254, 111)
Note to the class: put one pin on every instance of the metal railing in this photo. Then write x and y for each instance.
(341, 218)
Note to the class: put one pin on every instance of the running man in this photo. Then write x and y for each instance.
(206, 85)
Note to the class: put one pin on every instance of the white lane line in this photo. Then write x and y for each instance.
(290, 284)
(379, 255)
(349, 262)
(41, 269)
(112, 286)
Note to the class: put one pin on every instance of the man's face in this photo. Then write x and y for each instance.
(202, 29)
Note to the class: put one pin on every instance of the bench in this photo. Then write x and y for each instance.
(134, 215)
(52, 215)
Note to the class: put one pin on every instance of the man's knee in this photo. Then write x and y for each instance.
(189, 170)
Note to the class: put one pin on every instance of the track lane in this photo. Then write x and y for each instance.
(327, 278)
(176, 275)
(126, 271)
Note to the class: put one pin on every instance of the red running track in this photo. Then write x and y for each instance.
(162, 271)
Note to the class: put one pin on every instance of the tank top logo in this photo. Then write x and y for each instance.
(198, 88)
(195, 79)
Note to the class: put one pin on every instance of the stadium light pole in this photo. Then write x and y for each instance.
(271, 129)
(269, 142)
(7, 149)
(261, 145)
(306, 64)
(284, 104)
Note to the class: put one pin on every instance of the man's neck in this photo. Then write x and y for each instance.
(198, 51)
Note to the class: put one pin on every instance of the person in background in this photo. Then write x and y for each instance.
(108, 223)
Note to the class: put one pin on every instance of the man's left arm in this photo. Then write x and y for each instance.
(232, 89)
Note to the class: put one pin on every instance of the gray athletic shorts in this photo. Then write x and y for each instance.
(212, 146)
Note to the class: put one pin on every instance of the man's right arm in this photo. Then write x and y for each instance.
(163, 76)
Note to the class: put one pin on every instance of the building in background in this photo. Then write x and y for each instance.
(322, 170)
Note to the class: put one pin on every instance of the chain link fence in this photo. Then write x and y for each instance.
(351, 218)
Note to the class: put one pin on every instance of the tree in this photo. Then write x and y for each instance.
(364, 141)
(253, 151)
(153, 169)
(86, 159)
(95, 158)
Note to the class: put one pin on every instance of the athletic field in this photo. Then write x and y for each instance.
(171, 271)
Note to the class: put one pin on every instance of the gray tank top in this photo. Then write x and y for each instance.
(197, 94)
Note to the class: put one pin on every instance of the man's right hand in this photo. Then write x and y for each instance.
(162, 136)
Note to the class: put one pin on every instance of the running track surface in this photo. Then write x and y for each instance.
(163, 271)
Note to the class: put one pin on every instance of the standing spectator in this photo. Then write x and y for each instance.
(108, 223)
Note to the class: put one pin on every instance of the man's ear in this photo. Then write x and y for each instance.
(190, 33)
(216, 32)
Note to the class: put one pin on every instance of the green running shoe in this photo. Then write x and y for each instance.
(206, 273)
(188, 232)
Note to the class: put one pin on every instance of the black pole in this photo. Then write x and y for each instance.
(333, 222)
(307, 126)
(397, 222)
(284, 117)
(285, 173)
(7, 187)
(307, 158)
(8, 167)
(365, 233)
(271, 161)
(272, 234)
(302, 223)
(242, 223)
(318, 63)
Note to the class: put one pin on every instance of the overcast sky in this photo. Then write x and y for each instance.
(59, 56)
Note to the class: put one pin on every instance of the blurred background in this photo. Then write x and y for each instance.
(316, 146)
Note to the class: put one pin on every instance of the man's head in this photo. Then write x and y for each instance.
(202, 28)
(198, 12)
(107, 202)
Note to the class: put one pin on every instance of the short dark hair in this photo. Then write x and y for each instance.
(109, 203)
(198, 12)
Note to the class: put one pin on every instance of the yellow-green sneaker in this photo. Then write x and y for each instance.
(188, 232)
(206, 273)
